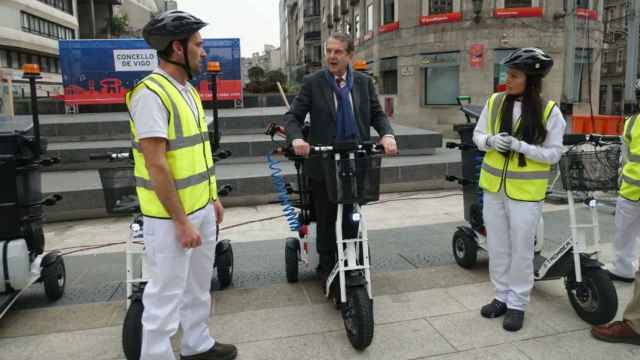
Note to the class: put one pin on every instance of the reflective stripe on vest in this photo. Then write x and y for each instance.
(630, 187)
(188, 150)
(180, 184)
(527, 183)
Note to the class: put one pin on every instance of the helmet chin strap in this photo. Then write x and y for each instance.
(185, 65)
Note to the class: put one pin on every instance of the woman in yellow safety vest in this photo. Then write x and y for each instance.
(522, 137)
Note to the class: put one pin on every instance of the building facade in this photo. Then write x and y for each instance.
(614, 57)
(300, 37)
(426, 53)
(106, 19)
(270, 59)
(29, 33)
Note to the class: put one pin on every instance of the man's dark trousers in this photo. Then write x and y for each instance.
(326, 214)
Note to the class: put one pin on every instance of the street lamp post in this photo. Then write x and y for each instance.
(477, 9)
(32, 73)
(213, 67)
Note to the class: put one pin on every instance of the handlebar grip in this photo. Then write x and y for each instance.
(100, 156)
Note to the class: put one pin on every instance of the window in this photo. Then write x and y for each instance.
(620, 60)
(582, 69)
(4, 58)
(24, 59)
(609, 14)
(616, 104)
(370, 18)
(44, 64)
(499, 70)
(53, 66)
(388, 11)
(389, 75)
(441, 78)
(517, 3)
(36, 25)
(356, 25)
(602, 109)
(580, 4)
(14, 59)
(63, 5)
(583, 4)
(440, 7)
(316, 7)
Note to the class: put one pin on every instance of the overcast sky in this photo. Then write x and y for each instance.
(255, 22)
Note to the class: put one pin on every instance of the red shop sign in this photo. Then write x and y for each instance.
(389, 27)
(476, 56)
(519, 12)
(441, 18)
(587, 13)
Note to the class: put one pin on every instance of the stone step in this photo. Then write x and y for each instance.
(112, 126)
(251, 181)
(75, 155)
(446, 130)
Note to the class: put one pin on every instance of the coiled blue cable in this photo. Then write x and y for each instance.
(279, 182)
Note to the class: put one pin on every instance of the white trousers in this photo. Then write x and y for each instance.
(511, 227)
(178, 292)
(626, 243)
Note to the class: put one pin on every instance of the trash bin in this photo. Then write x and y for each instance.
(21, 212)
(471, 164)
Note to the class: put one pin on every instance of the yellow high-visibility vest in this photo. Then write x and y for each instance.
(188, 151)
(630, 187)
(526, 183)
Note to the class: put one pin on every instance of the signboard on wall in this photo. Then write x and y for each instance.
(441, 18)
(135, 60)
(476, 56)
(102, 71)
(519, 12)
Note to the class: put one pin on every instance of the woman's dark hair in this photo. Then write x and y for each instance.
(531, 128)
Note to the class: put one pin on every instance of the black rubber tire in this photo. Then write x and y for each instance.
(54, 278)
(465, 249)
(595, 300)
(225, 273)
(291, 256)
(357, 314)
(132, 331)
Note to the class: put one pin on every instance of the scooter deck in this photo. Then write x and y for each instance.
(560, 267)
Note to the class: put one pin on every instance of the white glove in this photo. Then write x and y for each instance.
(500, 142)
(515, 144)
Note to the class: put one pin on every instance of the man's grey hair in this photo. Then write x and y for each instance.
(345, 39)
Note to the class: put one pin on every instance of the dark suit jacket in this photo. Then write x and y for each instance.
(317, 99)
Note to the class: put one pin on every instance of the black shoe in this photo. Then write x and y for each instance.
(615, 277)
(219, 351)
(494, 309)
(513, 320)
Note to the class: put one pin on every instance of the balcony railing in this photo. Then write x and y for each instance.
(312, 35)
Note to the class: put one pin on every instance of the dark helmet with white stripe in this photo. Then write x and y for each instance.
(171, 25)
(531, 61)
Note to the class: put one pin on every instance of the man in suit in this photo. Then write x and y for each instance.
(343, 106)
